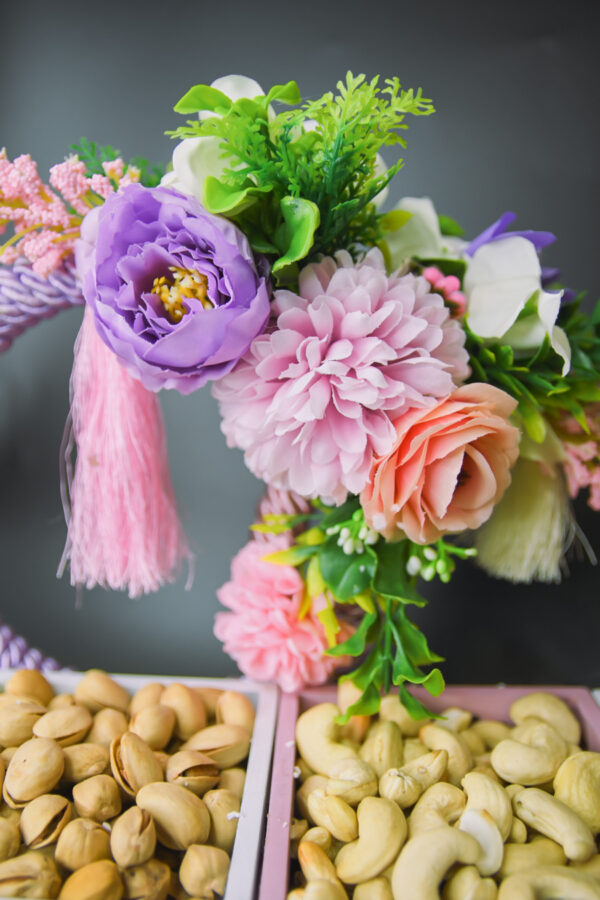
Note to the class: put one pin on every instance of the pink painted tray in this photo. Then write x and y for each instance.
(491, 702)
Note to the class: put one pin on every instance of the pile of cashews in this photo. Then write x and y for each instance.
(398, 809)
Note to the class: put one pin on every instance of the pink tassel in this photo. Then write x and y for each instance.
(123, 529)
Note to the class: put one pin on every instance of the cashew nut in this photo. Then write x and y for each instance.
(532, 756)
(405, 785)
(392, 710)
(324, 890)
(319, 836)
(556, 820)
(590, 866)
(467, 884)
(413, 748)
(312, 783)
(482, 827)
(460, 758)
(357, 727)
(518, 832)
(439, 805)
(455, 718)
(382, 748)
(474, 742)
(549, 883)
(351, 779)
(551, 709)
(315, 864)
(318, 737)
(485, 793)
(577, 783)
(541, 851)
(491, 731)
(375, 889)
(381, 833)
(426, 858)
(332, 813)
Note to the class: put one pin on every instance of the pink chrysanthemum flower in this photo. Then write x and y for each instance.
(582, 465)
(262, 632)
(314, 398)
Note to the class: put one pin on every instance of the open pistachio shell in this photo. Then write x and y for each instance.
(65, 726)
(43, 819)
(204, 871)
(32, 683)
(97, 690)
(108, 724)
(154, 724)
(190, 712)
(97, 798)
(96, 881)
(133, 837)
(35, 768)
(193, 770)
(149, 881)
(10, 838)
(180, 817)
(227, 745)
(84, 760)
(235, 708)
(148, 695)
(82, 841)
(133, 763)
(29, 875)
(17, 718)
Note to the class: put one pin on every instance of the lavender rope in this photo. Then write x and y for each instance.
(27, 298)
(15, 652)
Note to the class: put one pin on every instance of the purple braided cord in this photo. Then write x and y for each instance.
(27, 298)
(15, 653)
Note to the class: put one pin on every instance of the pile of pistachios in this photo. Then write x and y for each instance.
(109, 796)
(457, 808)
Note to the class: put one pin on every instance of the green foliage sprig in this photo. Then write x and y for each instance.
(93, 155)
(302, 182)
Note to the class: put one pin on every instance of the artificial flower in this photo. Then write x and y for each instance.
(497, 230)
(194, 159)
(506, 300)
(582, 463)
(421, 236)
(447, 469)
(175, 291)
(314, 398)
(263, 632)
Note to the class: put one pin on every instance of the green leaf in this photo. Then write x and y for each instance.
(533, 420)
(356, 643)
(346, 574)
(336, 515)
(294, 556)
(205, 98)
(415, 642)
(412, 705)
(221, 198)
(286, 93)
(366, 705)
(395, 219)
(296, 236)
(391, 578)
(450, 227)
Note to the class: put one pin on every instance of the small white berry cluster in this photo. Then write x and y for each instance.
(354, 534)
(435, 559)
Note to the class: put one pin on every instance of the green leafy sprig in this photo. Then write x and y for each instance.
(302, 182)
(93, 155)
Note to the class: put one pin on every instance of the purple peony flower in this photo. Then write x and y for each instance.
(175, 291)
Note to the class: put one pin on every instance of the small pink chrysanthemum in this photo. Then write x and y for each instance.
(262, 632)
(314, 398)
(582, 465)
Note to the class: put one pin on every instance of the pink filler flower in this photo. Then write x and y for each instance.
(582, 465)
(448, 468)
(314, 398)
(262, 632)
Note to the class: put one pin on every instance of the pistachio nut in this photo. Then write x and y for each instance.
(154, 724)
(17, 718)
(133, 763)
(233, 780)
(35, 768)
(235, 708)
(227, 745)
(148, 695)
(6, 755)
(97, 690)
(10, 838)
(81, 842)
(193, 770)
(108, 724)
(133, 837)
(65, 726)
(32, 683)
(62, 700)
(210, 698)
(190, 712)
(97, 798)
(149, 881)
(181, 818)
(43, 819)
(29, 875)
(3, 764)
(163, 759)
(84, 760)
(224, 809)
(99, 880)
(204, 870)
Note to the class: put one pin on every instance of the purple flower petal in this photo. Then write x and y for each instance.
(539, 239)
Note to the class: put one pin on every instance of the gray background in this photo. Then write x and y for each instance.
(516, 86)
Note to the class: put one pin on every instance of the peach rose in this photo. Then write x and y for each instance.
(449, 466)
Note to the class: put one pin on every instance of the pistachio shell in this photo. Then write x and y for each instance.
(133, 838)
(35, 768)
(192, 770)
(81, 842)
(233, 780)
(210, 697)
(204, 871)
(148, 695)
(97, 690)
(43, 819)
(10, 838)
(154, 724)
(133, 763)
(223, 807)
(190, 712)
(62, 700)
(149, 881)
(29, 875)
(32, 683)
(226, 744)
(107, 725)
(97, 881)
(235, 708)
(84, 760)
(17, 719)
(180, 817)
(66, 726)
(97, 798)
(6, 756)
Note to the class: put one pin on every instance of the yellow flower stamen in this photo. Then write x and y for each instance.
(186, 284)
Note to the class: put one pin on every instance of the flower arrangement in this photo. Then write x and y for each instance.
(411, 398)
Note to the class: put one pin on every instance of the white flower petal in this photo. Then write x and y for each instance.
(380, 169)
(238, 86)
(193, 160)
(420, 236)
